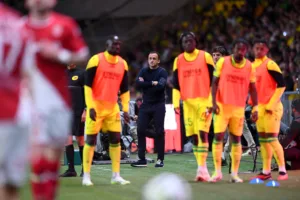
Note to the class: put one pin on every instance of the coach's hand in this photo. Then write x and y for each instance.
(126, 117)
(254, 116)
(215, 109)
(93, 114)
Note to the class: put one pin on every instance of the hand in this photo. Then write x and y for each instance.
(269, 112)
(93, 114)
(209, 110)
(48, 50)
(83, 116)
(216, 109)
(141, 79)
(126, 117)
(177, 110)
(154, 83)
(254, 116)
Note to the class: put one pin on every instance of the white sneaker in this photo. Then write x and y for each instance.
(86, 180)
(202, 175)
(235, 179)
(119, 181)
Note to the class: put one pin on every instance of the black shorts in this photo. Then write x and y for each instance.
(77, 126)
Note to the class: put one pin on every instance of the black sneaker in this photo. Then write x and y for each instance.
(81, 174)
(159, 163)
(224, 162)
(139, 163)
(69, 173)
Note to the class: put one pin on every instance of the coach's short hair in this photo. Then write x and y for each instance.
(158, 55)
(221, 49)
(240, 40)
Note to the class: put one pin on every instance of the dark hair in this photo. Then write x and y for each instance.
(221, 49)
(186, 34)
(258, 40)
(158, 56)
(240, 40)
(296, 104)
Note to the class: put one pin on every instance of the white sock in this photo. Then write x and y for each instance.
(266, 172)
(234, 174)
(282, 169)
(223, 156)
(115, 174)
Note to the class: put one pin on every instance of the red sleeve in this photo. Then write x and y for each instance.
(74, 41)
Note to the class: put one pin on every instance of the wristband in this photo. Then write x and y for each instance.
(64, 56)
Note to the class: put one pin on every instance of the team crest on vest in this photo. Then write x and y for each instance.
(57, 31)
(74, 78)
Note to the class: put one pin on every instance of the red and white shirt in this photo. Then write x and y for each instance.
(15, 58)
(50, 90)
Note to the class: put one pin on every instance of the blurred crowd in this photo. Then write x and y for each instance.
(220, 23)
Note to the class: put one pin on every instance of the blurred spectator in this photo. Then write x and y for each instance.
(219, 23)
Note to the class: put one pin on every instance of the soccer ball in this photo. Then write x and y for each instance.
(167, 186)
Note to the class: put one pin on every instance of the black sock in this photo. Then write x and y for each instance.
(81, 153)
(70, 156)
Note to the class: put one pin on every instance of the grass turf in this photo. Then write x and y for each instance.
(182, 164)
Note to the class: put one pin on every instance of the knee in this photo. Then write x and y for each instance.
(114, 138)
(204, 137)
(195, 140)
(219, 137)
(80, 140)
(91, 140)
(235, 139)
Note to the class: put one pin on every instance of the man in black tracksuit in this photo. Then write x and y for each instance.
(75, 84)
(152, 81)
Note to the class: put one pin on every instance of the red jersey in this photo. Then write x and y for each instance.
(50, 80)
(13, 53)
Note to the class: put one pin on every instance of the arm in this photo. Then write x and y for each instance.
(176, 86)
(293, 133)
(253, 94)
(211, 68)
(124, 90)
(276, 74)
(161, 82)
(215, 84)
(89, 79)
(141, 83)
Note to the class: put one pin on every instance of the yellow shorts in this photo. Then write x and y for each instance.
(231, 116)
(108, 120)
(195, 118)
(269, 123)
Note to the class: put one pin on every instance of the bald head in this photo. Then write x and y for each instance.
(113, 45)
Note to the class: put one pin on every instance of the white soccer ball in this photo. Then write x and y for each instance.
(167, 186)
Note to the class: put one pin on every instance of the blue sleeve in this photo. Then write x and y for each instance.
(162, 81)
(142, 84)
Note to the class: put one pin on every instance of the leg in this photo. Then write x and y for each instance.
(236, 124)
(13, 164)
(92, 130)
(80, 142)
(70, 157)
(204, 122)
(159, 119)
(142, 125)
(112, 123)
(220, 125)
(272, 126)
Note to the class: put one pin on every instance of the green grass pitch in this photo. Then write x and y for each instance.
(182, 164)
